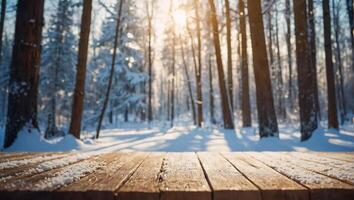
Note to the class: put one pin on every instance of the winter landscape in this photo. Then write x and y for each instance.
(177, 99)
(177, 76)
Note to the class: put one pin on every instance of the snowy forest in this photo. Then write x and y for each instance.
(176, 75)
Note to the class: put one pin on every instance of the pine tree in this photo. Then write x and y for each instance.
(111, 74)
(126, 94)
(58, 64)
(24, 77)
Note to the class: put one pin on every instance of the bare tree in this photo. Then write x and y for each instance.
(226, 111)
(268, 125)
(24, 75)
(116, 37)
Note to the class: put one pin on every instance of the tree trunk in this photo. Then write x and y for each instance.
(2, 21)
(331, 88)
(111, 71)
(270, 37)
(24, 75)
(229, 55)
(342, 99)
(246, 106)
(188, 84)
(79, 92)
(350, 7)
(195, 68)
(150, 15)
(52, 130)
(308, 111)
(312, 47)
(226, 111)
(168, 100)
(199, 70)
(126, 114)
(211, 93)
(268, 125)
(280, 93)
(173, 80)
(289, 51)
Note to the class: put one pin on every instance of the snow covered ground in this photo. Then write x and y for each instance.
(139, 137)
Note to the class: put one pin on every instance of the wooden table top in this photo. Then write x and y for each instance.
(187, 176)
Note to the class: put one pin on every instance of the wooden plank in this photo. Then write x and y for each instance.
(344, 156)
(8, 157)
(104, 183)
(321, 187)
(273, 185)
(31, 169)
(182, 177)
(144, 183)
(225, 181)
(337, 173)
(33, 159)
(323, 160)
(41, 186)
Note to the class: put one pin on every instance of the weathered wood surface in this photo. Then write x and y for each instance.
(204, 175)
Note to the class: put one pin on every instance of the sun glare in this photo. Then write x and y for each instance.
(180, 18)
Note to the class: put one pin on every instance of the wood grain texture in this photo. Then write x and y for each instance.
(22, 156)
(144, 183)
(43, 185)
(30, 168)
(14, 156)
(225, 181)
(272, 184)
(104, 183)
(323, 160)
(321, 187)
(182, 177)
(345, 156)
(345, 175)
(204, 175)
